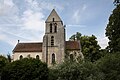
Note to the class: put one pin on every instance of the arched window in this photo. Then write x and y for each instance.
(53, 58)
(71, 57)
(21, 57)
(50, 27)
(37, 57)
(52, 40)
(55, 28)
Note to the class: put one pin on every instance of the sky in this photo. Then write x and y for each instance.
(24, 20)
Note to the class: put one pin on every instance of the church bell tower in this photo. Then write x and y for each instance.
(53, 40)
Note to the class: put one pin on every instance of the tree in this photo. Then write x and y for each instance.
(113, 31)
(25, 69)
(53, 74)
(9, 57)
(3, 62)
(89, 45)
(90, 48)
(76, 36)
(116, 2)
(110, 66)
(103, 52)
(78, 71)
(72, 38)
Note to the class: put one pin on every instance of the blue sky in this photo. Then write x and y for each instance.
(24, 20)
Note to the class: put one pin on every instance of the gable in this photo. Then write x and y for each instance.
(52, 15)
(28, 47)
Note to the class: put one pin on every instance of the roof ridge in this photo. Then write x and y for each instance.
(71, 41)
(29, 42)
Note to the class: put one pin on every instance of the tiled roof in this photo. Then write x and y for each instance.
(37, 47)
(72, 45)
(28, 47)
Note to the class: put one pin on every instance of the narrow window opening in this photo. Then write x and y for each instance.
(53, 19)
(55, 28)
(53, 58)
(52, 40)
(50, 27)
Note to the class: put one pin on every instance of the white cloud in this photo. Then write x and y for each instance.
(9, 2)
(38, 5)
(103, 42)
(76, 16)
(21, 27)
(76, 25)
(33, 5)
(26, 24)
(7, 7)
(2, 36)
(84, 7)
(33, 20)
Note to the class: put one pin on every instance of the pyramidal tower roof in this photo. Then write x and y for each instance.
(54, 15)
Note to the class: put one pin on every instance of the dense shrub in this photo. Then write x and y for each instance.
(25, 69)
(110, 66)
(77, 71)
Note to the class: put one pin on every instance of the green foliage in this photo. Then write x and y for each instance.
(68, 71)
(72, 38)
(103, 52)
(3, 61)
(90, 48)
(76, 36)
(77, 71)
(113, 30)
(9, 57)
(89, 45)
(110, 66)
(53, 74)
(25, 69)
(106, 68)
(116, 2)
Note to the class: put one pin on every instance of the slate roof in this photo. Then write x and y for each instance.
(37, 47)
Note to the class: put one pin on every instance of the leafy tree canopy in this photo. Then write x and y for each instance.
(89, 45)
(77, 71)
(3, 61)
(116, 2)
(25, 69)
(110, 66)
(113, 30)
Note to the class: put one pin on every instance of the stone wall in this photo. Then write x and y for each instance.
(17, 55)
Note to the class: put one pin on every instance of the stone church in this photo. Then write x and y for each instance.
(54, 46)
